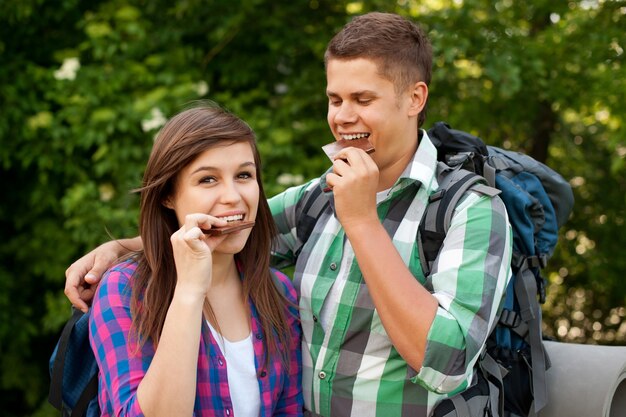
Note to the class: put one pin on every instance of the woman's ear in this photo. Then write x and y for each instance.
(167, 203)
(419, 96)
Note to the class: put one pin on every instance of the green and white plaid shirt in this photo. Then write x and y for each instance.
(353, 369)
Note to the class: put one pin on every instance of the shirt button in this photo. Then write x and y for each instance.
(259, 336)
(228, 411)
(220, 361)
(263, 374)
(333, 266)
(322, 374)
(315, 319)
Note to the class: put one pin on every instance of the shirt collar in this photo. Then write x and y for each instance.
(421, 169)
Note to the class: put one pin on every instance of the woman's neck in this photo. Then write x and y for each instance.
(224, 270)
(227, 309)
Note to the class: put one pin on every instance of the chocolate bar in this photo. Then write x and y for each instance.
(230, 228)
(331, 149)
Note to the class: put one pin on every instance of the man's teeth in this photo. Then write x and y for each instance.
(233, 218)
(355, 136)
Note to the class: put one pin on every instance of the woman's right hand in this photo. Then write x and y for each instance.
(193, 253)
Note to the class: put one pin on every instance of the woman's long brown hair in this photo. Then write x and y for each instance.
(180, 141)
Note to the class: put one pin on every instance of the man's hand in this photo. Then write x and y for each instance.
(83, 276)
(354, 182)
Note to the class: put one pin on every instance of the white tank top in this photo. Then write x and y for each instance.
(242, 377)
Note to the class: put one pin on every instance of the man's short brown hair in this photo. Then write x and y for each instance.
(398, 46)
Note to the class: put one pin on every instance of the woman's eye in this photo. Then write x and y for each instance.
(245, 175)
(207, 180)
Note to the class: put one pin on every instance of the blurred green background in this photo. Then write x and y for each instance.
(85, 85)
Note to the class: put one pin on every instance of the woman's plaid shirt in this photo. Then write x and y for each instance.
(122, 368)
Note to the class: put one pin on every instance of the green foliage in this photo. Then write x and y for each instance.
(84, 87)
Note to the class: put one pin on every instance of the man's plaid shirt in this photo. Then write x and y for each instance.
(353, 369)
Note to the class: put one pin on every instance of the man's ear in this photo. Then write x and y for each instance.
(419, 97)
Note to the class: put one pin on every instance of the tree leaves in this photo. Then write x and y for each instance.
(84, 86)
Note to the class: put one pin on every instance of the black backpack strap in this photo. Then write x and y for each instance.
(454, 182)
(530, 312)
(55, 396)
(460, 405)
(90, 391)
(312, 206)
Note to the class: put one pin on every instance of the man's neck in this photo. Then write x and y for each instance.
(390, 173)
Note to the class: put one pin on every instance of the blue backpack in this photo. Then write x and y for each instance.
(74, 371)
(511, 371)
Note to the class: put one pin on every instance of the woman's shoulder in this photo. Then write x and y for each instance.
(116, 280)
(121, 271)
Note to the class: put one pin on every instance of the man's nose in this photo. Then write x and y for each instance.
(345, 114)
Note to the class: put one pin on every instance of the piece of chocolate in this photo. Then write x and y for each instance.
(331, 149)
(230, 228)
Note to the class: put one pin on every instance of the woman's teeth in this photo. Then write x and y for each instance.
(238, 217)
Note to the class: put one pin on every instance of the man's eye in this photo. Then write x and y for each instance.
(364, 101)
(334, 102)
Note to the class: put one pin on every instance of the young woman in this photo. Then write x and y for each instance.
(196, 323)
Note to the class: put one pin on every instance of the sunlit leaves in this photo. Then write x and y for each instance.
(84, 86)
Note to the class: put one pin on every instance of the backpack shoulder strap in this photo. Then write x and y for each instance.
(55, 396)
(89, 393)
(454, 182)
(529, 328)
(311, 207)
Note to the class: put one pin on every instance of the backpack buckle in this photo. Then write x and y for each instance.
(537, 261)
(459, 158)
(437, 195)
(510, 318)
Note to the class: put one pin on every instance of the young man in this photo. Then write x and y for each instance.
(379, 338)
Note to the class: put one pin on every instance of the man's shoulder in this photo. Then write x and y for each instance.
(298, 190)
(293, 197)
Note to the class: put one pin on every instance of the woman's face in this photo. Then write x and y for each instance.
(220, 182)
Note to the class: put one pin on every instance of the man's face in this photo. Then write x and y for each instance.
(363, 103)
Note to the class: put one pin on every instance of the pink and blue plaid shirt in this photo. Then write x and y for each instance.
(122, 366)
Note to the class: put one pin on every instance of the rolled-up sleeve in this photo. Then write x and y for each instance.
(469, 280)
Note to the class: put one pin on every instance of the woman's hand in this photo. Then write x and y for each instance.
(193, 253)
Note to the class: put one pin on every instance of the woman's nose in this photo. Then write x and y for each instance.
(230, 193)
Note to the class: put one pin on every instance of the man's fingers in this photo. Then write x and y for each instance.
(91, 278)
(73, 295)
(95, 274)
